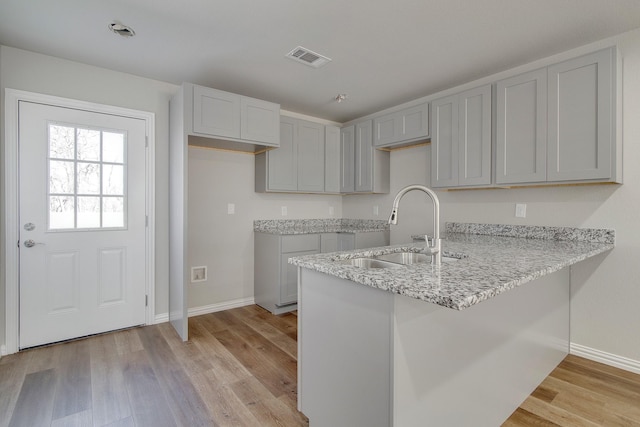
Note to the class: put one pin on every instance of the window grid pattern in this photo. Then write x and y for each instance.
(87, 178)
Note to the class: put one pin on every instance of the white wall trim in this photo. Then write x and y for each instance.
(12, 98)
(606, 358)
(211, 308)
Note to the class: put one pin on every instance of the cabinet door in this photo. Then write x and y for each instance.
(289, 283)
(444, 142)
(283, 161)
(215, 112)
(385, 129)
(581, 110)
(332, 159)
(346, 241)
(328, 242)
(347, 159)
(364, 157)
(310, 156)
(521, 134)
(414, 122)
(474, 136)
(259, 121)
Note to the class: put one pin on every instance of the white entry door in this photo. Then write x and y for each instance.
(82, 223)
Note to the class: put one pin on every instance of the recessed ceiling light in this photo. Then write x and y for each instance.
(121, 29)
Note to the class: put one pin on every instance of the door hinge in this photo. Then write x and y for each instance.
(146, 141)
(146, 300)
(146, 220)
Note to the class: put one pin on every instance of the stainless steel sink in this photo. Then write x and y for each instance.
(405, 258)
(394, 260)
(372, 263)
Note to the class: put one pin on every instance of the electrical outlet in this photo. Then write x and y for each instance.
(521, 210)
(376, 210)
(231, 208)
(284, 210)
(331, 210)
(198, 274)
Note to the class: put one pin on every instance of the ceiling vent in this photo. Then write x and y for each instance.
(308, 57)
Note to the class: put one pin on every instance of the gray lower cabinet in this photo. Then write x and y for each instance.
(364, 168)
(558, 124)
(275, 281)
(298, 164)
(461, 139)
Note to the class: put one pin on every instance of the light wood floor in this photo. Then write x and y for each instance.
(239, 369)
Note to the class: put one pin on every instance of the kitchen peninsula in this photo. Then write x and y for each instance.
(461, 344)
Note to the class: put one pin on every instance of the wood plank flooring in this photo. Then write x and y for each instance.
(239, 369)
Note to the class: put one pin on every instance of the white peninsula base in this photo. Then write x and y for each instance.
(367, 357)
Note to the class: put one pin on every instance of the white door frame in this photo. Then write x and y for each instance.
(12, 258)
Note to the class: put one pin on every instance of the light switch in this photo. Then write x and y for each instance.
(231, 208)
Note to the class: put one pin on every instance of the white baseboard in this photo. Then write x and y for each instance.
(606, 358)
(211, 308)
(3, 350)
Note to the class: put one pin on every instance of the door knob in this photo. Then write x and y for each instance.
(30, 243)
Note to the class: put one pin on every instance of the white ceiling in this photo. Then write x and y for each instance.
(384, 52)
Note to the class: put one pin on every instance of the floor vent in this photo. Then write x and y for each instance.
(308, 57)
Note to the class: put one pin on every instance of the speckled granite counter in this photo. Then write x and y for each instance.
(489, 263)
(312, 226)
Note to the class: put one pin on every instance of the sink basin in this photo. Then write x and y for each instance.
(394, 260)
(408, 258)
(405, 258)
(372, 263)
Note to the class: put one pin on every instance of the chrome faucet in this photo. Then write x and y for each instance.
(433, 246)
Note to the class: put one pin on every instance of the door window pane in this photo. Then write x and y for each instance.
(113, 212)
(88, 144)
(88, 212)
(113, 147)
(87, 178)
(61, 177)
(113, 180)
(61, 212)
(61, 142)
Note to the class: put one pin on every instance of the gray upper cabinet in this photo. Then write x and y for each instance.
(581, 136)
(347, 159)
(227, 115)
(461, 139)
(364, 157)
(558, 124)
(401, 127)
(521, 134)
(298, 164)
(311, 145)
(332, 159)
(216, 112)
(364, 169)
(259, 120)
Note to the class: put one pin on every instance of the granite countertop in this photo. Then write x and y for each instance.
(492, 260)
(313, 226)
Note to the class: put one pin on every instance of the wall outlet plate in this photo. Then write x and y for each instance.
(199, 274)
(521, 210)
